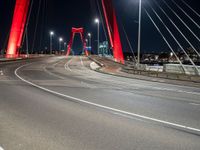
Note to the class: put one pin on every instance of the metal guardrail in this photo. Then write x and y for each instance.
(173, 76)
(132, 69)
(6, 61)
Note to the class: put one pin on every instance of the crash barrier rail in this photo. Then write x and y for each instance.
(158, 74)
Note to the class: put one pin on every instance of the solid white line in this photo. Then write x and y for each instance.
(105, 107)
(1, 148)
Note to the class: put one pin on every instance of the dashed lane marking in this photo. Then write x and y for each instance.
(195, 104)
(81, 61)
(146, 86)
(1, 73)
(67, 65)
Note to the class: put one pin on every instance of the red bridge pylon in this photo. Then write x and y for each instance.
(113, 31)
(17, 29)
(77, 31)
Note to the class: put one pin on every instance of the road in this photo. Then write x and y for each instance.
(59, 103)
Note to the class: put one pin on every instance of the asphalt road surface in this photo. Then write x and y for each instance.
(58, 103)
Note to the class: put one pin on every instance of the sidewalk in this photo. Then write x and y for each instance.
(113, 68)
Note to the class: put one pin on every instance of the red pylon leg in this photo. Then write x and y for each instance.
(113, 31)
(17, 28)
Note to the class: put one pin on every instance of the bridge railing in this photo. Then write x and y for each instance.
(158, 74)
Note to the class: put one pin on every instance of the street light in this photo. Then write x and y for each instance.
(89, 34)
(97, 22)
(51, 38)
(65, 44)
(139, 31)
(90, 40)
(60, 41)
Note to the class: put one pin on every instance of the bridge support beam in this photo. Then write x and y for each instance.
(113, 31)
(77, 31)
(17, 28)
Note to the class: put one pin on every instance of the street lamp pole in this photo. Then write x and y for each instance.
(90, 40)
(97, 22)
(51, 39)
(65, 44)
(139, 31)
(87, 42)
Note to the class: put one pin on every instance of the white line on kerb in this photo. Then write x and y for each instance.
(105, 107)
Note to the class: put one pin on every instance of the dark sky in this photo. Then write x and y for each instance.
(62, 15)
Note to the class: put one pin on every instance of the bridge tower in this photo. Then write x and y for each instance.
(77, 31)
(17, 28)
(113, 30)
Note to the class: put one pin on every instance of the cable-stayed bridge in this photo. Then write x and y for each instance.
(107, 95)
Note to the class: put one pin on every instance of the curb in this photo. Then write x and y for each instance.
(96, 61)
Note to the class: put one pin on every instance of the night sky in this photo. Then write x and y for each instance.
(61, 15)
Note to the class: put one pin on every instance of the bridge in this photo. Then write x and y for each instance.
(102, 97)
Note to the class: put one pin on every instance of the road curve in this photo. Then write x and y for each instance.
(58, 103)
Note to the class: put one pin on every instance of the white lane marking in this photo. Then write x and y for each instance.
(81, 61)
(54, 65)
(156, 88)
(67, 65)
(105, 107)
(88, 85)
(1, 73)
(195, 104)
(174, 90)
(1, 148)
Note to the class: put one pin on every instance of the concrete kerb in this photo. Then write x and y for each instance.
(96, 61)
